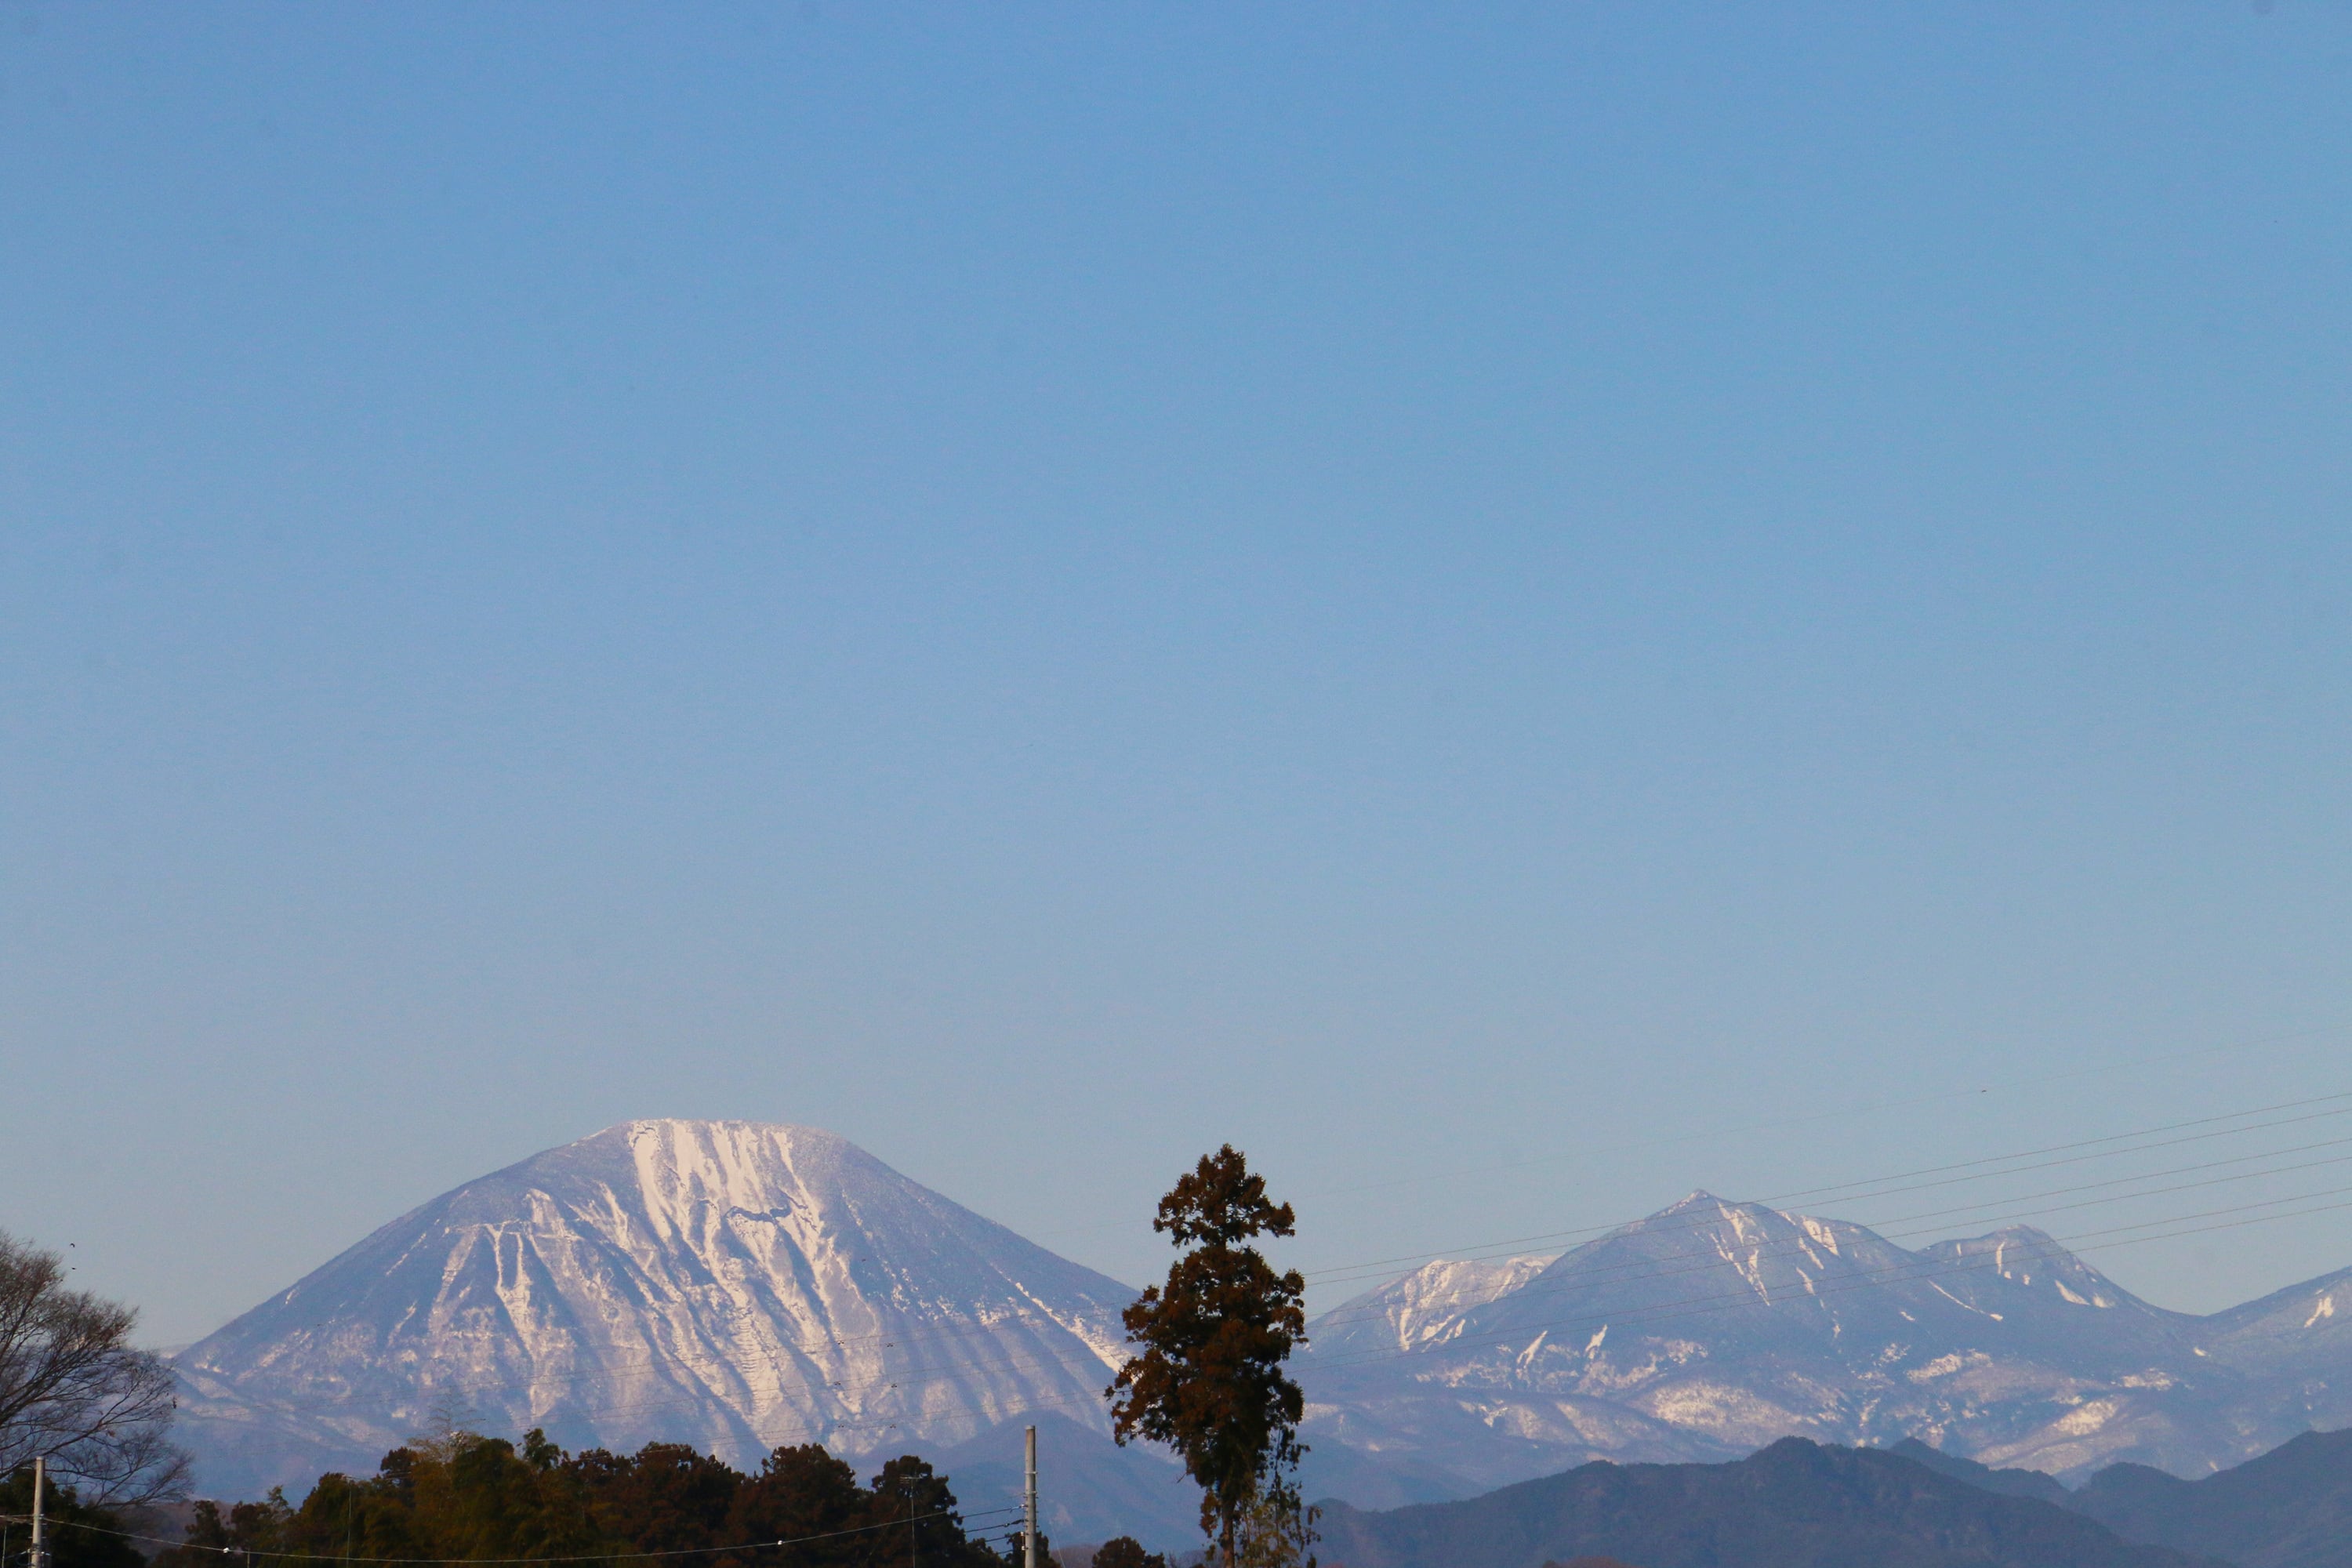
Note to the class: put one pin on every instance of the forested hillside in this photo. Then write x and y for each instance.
(1794, 1505)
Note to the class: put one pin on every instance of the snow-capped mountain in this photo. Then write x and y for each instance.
(737, 1286)
(1713, 1327)
(727, 1284)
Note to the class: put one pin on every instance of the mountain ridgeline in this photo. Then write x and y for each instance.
(731, 1286)
(1796, 1504)
(737, 1286)
(1713, 1327)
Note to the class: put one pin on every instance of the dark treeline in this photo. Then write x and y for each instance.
(80, 1536)
(467, 1496)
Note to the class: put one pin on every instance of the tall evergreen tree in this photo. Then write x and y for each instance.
(909, 1489)
(803, 1492)
(1208, 1378)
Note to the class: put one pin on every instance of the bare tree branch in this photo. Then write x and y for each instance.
(76, 1391)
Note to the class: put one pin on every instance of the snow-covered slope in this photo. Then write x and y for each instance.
(728, 1284)
(1425, 1307)
(1712, 1328)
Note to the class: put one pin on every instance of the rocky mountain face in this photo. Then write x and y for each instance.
(1425, 1308)
(1713, 1327)
(731, 1285)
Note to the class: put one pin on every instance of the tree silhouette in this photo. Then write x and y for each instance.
(1127, 1551)
(909, 1489)
(464, 1497)
(74, 1390)
(89, 1537)
(1208, 1380)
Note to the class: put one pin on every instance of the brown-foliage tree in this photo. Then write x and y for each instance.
(933, 1537)
(800, 1492)
(76, 1391)
(462, 1496)
(1208, 1378)
(1127, 1551)
(663, 1498)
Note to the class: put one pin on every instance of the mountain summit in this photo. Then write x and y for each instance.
(729, 1284)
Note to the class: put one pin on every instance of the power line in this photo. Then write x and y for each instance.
(1846, 1190)
(506, 1561)
(1920, 1269)
(1368, 1309)
(2136, 1062)
(1644, 1268)
(1913, 1269)
(834, 1342)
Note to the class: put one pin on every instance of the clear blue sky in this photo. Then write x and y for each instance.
(1517, 608)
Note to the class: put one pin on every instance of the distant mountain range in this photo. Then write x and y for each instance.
(1712, 1328)
(1796, 1504)
(737, 1285)
(2290, 1509)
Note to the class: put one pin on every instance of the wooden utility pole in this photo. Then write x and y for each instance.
(41, 1480)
